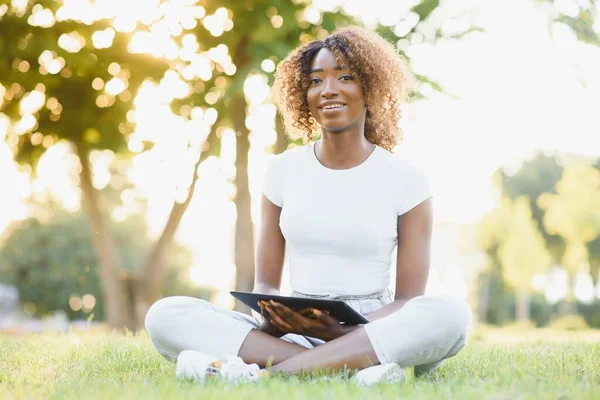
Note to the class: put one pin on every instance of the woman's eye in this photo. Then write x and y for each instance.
(314, 81)
(347, 77)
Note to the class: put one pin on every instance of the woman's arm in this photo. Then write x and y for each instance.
(270, 250)
(413, 258)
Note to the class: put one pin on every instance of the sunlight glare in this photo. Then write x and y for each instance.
(219, 22)
(157, 44)
(41, 17)
(103, 39)
(268, 65)
(130, 10)
(58, 178)
(72, 42)
(256, 88)
(4, 126)
(329, 5)
(32, 102)
(115, 86)
(210, 116)
(77, 10)
(173, 87)
(312, 15)
(25, 124)
(202, 66)
(19, 5)
(17, 181)
(135, 146)
(125, 24)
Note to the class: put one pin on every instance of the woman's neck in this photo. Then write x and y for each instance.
(343, 151)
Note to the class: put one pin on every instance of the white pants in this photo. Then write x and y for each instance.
(424, 332)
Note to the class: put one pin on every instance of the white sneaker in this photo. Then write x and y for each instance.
(234, 369)
(198, 366)
(388, 373)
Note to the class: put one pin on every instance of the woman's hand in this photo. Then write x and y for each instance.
(266, 326)
(309, 321)
(271, 329)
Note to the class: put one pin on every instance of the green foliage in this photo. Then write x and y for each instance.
(425, 8)
(502, 301)
(500, 304)
(583, 23)
(569, 323)
(536, 176)
(52, 261)
(574, 212)
(523, 252)
(71, 107)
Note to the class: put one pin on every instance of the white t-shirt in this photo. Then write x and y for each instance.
(340, 226)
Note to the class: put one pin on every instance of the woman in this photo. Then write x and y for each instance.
(340, 205)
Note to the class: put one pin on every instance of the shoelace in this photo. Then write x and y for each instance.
(234, 369)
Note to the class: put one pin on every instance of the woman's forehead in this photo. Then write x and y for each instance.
(325, 59)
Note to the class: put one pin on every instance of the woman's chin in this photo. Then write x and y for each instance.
(335, 128)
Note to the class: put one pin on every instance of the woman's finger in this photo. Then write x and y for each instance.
(326, 318)
(280, 323)
(299, 323)
(307, 312)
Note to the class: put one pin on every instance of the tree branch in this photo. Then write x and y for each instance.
(154, 270)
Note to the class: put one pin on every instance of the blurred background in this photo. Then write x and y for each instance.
(134, 137)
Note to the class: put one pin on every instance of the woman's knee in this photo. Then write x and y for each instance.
(450, 316)
(162, 315)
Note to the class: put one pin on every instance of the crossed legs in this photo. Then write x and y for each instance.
(423, 333)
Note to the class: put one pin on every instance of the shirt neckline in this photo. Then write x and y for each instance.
(312, 148)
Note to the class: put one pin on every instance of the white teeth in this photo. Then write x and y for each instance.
(333, 106)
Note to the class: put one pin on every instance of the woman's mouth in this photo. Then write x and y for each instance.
(332, 109)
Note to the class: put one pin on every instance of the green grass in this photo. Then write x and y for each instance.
(495, 365)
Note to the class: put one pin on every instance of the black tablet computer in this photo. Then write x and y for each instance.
(337, 308)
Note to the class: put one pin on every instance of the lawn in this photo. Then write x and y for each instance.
(497, 364)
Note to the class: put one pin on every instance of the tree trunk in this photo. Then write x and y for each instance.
(522, 310)
(110, 273)
(244, 230)
(483, 298)
(595, 270)
(568, 305)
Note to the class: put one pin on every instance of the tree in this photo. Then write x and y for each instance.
(539, 175)
(490, 234)
(522, 253)
(574, 214)
(594, 249)
(536, 176)
(515, 248)
(69, 76)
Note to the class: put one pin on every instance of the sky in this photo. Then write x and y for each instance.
(514, 89)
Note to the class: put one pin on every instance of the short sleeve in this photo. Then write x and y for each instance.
(273, 181)
(412, 188)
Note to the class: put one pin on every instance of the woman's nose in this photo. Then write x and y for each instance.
(329, 87)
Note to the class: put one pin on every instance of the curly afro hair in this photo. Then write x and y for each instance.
(383, 74)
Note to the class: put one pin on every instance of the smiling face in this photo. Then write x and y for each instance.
(335, 97)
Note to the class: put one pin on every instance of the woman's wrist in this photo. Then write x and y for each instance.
(351, 328)
(271, 331)
(343, 330)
